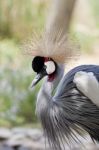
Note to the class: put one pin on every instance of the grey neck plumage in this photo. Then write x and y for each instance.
(45, 94)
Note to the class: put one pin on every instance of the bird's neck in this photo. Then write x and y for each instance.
(44, 98)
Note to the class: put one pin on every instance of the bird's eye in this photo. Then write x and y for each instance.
(37, 64)
(50, 67)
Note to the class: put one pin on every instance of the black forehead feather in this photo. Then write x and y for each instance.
(37, 63)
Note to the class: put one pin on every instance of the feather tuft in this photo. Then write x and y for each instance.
(61, 49)
(55, 42)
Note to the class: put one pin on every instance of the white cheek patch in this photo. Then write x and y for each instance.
(50, 67)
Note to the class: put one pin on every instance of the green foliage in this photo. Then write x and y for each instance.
(86, 42)
(4, 122)
(17, 101)
(19, 18)
(95, 10)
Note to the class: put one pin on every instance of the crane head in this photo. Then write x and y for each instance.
(43, 66)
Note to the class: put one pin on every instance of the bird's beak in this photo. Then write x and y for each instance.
(38, 77)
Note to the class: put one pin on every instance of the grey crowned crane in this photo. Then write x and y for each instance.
(66, 105)
(73, 108)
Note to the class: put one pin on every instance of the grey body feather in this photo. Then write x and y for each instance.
(68, 112)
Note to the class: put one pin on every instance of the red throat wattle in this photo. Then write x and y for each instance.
(46, 59)
(51, 77)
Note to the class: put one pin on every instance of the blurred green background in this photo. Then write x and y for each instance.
(18, 20)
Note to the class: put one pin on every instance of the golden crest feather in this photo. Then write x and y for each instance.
(55, 42)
